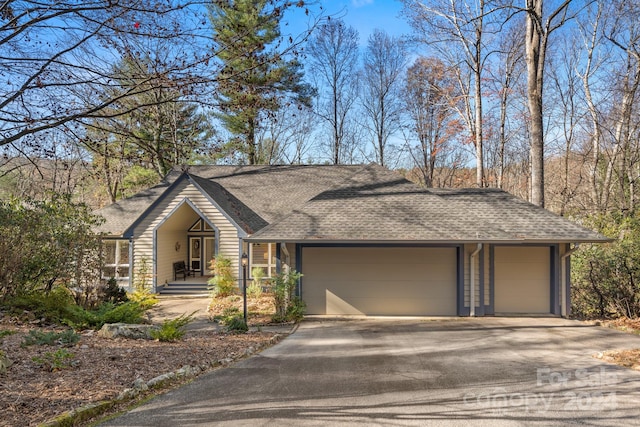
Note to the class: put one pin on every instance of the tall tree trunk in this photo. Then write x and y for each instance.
(535, 67)
(596, 189)
(478, 101)
(537, 36)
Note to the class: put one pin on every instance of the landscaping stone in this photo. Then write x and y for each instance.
(124, 330)
(5, 362)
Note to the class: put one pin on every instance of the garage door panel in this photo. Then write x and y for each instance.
(380, 281)
(522, 280)
(373, 271)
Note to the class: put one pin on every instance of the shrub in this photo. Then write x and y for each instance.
(67, 338)
(60, 246)
(128, 312)
(605, 277)
(233, 319)
(55, 361)
(228, 313)
(237, 325)
(112, 292)
(223, 283)
(254, 290)
(288, 306)
(144, 297)
(53, 307)
(172, 329)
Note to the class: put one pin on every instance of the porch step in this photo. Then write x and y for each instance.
(184, 289)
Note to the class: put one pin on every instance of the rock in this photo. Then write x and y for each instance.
(160, 379)
(5, 362)
(140, 384)
(115, 330)
(128, 393)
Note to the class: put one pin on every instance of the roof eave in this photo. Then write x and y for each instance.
(337, 241)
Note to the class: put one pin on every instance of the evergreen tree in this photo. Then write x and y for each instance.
(255, 78)
(155, 128)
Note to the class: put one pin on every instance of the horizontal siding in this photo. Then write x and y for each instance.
(166, 254)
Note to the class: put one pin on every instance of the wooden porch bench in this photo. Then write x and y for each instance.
(180, 268)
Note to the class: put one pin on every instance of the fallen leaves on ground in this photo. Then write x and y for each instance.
(626, 358)
(99, 368)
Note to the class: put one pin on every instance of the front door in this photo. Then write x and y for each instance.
(195, 254)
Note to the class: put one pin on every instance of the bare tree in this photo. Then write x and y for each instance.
(383, 64)
(504, 81)
(285, 137)
(56, 66)
(590, 33)
(458, 29)
(428, 97)
(333, 53)
(539, 26)
(623, 32)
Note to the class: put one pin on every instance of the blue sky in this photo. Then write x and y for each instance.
(364, 16)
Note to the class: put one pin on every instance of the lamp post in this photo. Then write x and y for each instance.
(245, 263)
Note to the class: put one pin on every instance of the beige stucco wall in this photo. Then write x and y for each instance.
(168, 235)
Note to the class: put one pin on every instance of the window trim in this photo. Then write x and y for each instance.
(116, 265)
(270, 265)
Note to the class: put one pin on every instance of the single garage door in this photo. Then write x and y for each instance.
(522, 281)
(379, 281)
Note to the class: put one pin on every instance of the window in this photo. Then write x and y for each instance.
(115, 255)
(263, 255)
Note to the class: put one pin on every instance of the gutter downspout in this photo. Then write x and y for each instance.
(563, 280)
(472, 281)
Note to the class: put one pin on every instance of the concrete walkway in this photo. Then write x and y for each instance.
(172, 307)
(471, 372)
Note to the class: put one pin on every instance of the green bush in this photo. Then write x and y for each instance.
(59, 247)
(112, 292)
(35, 337)
(233, 319)
(128, 312)
(288, 306)
(172, 329)
(227, 315)
(606, 277)
(55, 361)
(237, 325)
(144, 297)
(254, 290)
(53, 307)
(223, 283)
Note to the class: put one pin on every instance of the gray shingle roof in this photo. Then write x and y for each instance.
(357, 203)
(121, 215)
(379, 205)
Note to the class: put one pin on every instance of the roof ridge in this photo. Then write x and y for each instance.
(301, 207)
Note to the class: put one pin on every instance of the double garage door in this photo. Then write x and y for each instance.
(404, 281)
(379, 281)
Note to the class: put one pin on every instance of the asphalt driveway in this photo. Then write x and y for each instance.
(486, 371)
